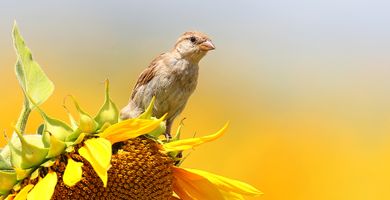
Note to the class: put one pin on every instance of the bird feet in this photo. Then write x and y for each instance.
(168, 136)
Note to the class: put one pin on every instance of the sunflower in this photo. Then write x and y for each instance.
(100, 157)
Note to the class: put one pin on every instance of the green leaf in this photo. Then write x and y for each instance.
(31, 77)
(108, 113)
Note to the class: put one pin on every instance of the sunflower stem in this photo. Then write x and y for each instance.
(23, 117)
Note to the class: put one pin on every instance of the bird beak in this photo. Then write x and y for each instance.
(207, 45)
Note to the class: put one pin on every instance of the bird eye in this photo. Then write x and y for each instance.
(192, 39)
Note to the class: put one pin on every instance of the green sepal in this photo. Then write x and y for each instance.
(17, 186)
(55, 127)
(48, 163)
(79, 139)
(5, 159)
(33, 151)
(148, 114)
(87, 123)
(159, 130)
(34, 174)
(15, 148)
(102, 128)
(4, 164)
(69, 149)
(108, 113)
(174, 154)
(73, 122)
(178, 132)
(149, 110)
(41, 129)
(72, 137)
(22, 173)
(56, 148)
(7, 181)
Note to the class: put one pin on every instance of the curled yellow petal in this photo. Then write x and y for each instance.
(22, 194)
(184, 144)
(228, 188)
(73, 173)
(227, 184)
(189, 186)
(232, 195)
(97, 151)
(130, 128)
(44, 189)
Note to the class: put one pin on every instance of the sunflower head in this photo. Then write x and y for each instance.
(100, 157)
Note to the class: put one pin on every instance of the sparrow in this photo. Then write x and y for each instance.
(171, 78)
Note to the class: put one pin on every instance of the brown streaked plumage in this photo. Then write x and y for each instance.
(171, 78)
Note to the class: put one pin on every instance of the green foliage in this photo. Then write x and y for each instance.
(26, 153)
(32, 79)
(7, 181)
(108, 113)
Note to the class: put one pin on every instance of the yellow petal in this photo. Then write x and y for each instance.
(101, 150)
(232, 195)
(97, 151)
(189, 186)
(229, 186)
(184, 144)
(130, 128)
(73, 173)
(44, 189)
(22, 194)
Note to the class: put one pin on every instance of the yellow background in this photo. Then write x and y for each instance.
(305, 84)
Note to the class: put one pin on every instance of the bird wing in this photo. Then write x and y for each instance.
(147, 75)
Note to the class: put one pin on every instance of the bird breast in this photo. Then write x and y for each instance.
(172, 87)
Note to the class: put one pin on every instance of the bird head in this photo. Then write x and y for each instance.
(193, 45)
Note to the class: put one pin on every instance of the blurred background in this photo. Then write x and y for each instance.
(305, 84)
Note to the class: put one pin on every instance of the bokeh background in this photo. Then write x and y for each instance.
(305, 84)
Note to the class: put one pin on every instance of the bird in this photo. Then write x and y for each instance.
(171, 78)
